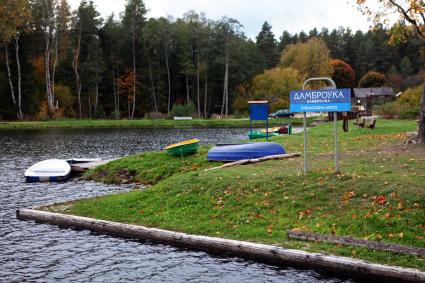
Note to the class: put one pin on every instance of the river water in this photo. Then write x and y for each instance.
(34, 252)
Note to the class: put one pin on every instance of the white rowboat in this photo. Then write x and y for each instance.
(51, 170)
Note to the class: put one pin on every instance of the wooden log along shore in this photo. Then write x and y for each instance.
(261, 252)
(256, 160)
(375, 245)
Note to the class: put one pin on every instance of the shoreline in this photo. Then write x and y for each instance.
(254, 251)
(234, 205)
(146, 123)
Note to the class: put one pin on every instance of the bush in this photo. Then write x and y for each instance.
(154, 115)
(412, 96)
(116, 115)
(183, 110)
(100, 112)
(396, 110)
(372, 79)
(412, 113)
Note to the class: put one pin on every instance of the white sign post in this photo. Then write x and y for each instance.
(329, 100)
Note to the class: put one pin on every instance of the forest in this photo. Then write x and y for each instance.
(61, 63)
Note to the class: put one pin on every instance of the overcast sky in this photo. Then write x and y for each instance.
(291, 15)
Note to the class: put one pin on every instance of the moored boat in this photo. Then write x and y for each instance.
(235, 152)
(183, 148)
(51, 170)
(260, 135)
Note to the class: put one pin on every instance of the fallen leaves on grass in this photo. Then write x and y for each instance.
(382, 200)
(348, 195)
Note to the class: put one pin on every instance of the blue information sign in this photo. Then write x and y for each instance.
(259, 111)
(330, 100)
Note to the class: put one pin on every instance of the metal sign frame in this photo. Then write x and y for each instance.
(337, 168)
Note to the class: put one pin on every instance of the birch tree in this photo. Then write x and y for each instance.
(134, 19)
(15, 17)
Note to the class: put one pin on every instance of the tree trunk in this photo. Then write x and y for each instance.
(12, 90)
(206, 92)
(421, 131)
(115, 91)
(18, 64)
(96, 99)
(169, 80)
(187, 90)
(118, 95)
(224, 107)
(153, 89)
(76, 70)
(197, 84)
(89, 106)
(55, 62)
(47, 71)
(134, 69)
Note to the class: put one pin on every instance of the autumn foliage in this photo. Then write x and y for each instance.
(343, 74)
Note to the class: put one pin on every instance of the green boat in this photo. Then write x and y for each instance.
(183, 148)
(260, 135)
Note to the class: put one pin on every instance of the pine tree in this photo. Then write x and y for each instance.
(266, 42)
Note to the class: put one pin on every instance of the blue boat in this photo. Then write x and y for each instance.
(235, 152)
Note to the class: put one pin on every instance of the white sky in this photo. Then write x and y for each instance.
(293, 16)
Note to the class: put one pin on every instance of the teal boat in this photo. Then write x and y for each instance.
(183, 148)
(260, 135)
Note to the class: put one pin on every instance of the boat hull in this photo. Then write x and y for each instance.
(52, 170)
(237, 152)
(260, 135)
(183, 148)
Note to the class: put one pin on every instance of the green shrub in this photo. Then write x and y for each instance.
(388, 110)
(372, 79)
(412, 113)
(153, 115)
(183, 110)
(396, 110)
(411, 96)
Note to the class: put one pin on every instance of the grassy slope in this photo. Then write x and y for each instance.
(143, 123)
(380, 195)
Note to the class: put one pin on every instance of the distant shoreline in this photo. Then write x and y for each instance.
(144, 123)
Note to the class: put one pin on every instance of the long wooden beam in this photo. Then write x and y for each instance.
(306, 236)
(261, 252)
(256, 160)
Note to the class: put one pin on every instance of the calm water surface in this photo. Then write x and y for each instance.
(43, 253)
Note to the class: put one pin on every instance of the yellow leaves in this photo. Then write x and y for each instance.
(270, 229)
(396, 235)
(348, 195)
(303, 213)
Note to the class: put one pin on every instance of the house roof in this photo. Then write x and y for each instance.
(373, 91)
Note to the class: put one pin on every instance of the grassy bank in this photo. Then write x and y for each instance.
(144, 123)
(379, 196)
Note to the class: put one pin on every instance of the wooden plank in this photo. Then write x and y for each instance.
(268, 253)
(248, 161)
(306, 236)
(83, 167)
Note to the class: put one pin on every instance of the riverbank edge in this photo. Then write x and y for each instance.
(259, 252)
(146, 123)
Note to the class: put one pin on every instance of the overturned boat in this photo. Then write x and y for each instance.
(235, 152)
(51, 170)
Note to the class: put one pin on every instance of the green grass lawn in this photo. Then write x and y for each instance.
(380, 194)
(145, 123)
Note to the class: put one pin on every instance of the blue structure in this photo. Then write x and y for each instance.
(259, 111)
(235, 152)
